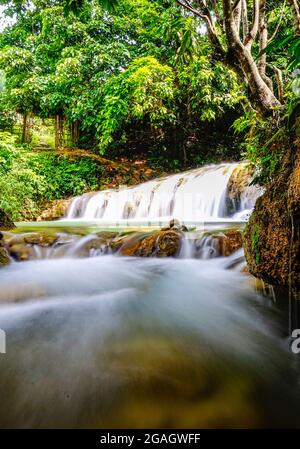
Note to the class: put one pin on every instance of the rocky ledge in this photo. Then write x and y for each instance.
(272, 237)
(166, 242)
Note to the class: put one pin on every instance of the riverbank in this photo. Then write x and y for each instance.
(272, 237)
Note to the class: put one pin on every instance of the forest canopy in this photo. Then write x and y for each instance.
(104, 66)
(184, 82)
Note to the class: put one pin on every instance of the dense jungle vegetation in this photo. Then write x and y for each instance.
(178, 83)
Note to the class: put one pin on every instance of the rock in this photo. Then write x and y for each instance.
(272, 236)
(20, 246)
(229, 241)
(163, 243)
(175, 225)
(43, 239)
(21, 252)
(97, 245)
(55, 210)
(5, 222)
(238, 183)
(4, 256)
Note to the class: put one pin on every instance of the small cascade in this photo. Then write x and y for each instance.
(200, 244)
(209, 193)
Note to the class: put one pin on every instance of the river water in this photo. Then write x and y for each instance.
(101, 340)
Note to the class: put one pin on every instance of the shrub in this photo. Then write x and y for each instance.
(28, 179)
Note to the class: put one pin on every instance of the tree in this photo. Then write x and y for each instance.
(236, 31)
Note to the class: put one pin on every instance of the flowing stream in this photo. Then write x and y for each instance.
(210, 193)
(95, 339)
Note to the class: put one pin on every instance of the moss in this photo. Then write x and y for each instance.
(255, 243)
(272, 235)
(4, 258)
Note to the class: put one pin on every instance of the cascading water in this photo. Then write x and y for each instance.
(194, 196)
(98, 340)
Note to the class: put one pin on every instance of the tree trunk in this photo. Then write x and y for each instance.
(263, 42)
(58, 131)
(74, 131)
(238, 55)
(262, 94)
(24, 128)
(296, 8)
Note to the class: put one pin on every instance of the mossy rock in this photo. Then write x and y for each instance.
(4, 257)
(5, 222)
(272, 235)
(229, 241)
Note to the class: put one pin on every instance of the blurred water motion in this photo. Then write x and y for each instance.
(211, 192)
(125, 342)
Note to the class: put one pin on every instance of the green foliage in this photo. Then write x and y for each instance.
(119, 67)
(291, 44)
(141, 64)
(64, 176)
(7, 117)
(143, 91)
(27, 179)
(263, 144)
(210, 87)
(20, 186)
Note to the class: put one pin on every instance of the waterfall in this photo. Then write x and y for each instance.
(209, 193)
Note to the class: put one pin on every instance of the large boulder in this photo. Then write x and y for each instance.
(272, 236)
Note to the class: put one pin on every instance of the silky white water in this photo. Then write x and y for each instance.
(100, 340)
(194, 196)
(111, 341)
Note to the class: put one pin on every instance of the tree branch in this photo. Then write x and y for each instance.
(209, 23)
(255, 25)
(245, 19)
(217, 13)
(279, 81)
(296, 8)
(237, 14)
(263, 42)
(279, 22)
(236, 3)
